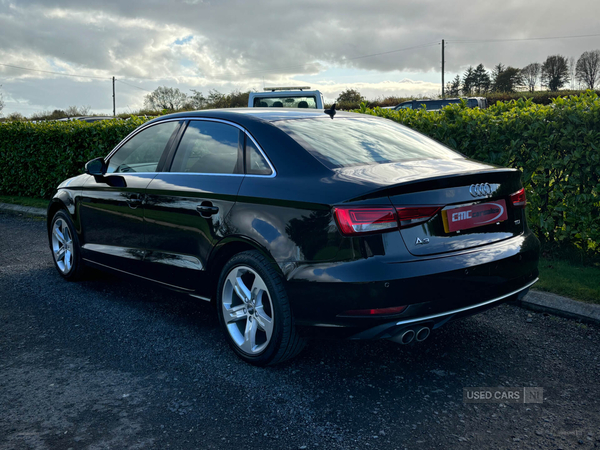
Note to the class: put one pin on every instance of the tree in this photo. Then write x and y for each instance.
(350, 96)
(572, 71)
(73, 111)
(587, 70)
(217, 100)
(482, 80)
(531, 74)
(496, 72)
(453, 87)
(555, 72)
(468, 81)
(15, 117)
(1, 102)
(196, 100)
(165, 98)
(506, 79)
(238, 99)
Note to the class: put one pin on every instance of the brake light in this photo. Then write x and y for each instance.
(414, 215)
(354, 220)
(374, 312)
(518, 199)
(362, 220)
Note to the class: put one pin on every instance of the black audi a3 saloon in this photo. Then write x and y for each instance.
(295, 222)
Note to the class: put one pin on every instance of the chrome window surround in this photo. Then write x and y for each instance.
(206, 119)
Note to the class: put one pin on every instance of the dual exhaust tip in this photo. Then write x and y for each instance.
(407, 336)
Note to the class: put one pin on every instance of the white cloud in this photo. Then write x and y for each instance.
(228, 44)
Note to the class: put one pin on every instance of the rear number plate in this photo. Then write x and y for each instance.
(472, 216)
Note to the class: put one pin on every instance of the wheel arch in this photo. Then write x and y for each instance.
(224, 251)
(56, 204)
(63, 199)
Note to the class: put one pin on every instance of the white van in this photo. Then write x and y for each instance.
(286, 97)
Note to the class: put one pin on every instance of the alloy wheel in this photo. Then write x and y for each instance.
(62, 246)
(247, 310)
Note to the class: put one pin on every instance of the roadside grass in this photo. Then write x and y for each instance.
(570, 279)
(24, 201)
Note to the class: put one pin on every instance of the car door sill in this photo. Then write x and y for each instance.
(172, 286)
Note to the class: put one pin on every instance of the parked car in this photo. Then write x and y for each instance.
(88, 119)
(296, 222)
(286, 97)
(434, 105)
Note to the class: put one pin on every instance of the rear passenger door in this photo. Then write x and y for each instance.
(187, 206)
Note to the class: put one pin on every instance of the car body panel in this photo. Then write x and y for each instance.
(112, 221)
(178, 238)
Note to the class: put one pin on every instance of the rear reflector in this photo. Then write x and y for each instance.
(518, 199)
(365, 220)
(414, 215)
(374, 312)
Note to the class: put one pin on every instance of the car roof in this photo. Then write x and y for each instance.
(240, 115)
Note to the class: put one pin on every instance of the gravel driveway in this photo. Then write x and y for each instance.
(112, 363)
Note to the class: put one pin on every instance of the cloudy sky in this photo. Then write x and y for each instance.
(381, 48)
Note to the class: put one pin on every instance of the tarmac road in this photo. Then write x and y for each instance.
(113, 363)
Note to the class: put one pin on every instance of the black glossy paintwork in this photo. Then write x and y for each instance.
(175, 228)
(163, 236)
(112, 221)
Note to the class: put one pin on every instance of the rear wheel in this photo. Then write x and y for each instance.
(65, 247)
(254, 311)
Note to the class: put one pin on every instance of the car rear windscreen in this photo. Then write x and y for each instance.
(344, 142)
(285, 102)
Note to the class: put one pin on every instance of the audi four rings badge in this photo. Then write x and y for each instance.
(480, 189)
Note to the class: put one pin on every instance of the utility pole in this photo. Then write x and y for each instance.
(442, 68)
(115, 110)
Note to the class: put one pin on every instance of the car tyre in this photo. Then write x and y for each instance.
(254, 311)
(64, 244)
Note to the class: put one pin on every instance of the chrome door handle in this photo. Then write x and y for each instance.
(134, 200)
(207, 209)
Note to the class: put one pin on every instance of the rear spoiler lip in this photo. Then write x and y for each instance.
(435, 182)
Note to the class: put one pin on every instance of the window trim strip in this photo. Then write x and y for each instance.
(206, 119)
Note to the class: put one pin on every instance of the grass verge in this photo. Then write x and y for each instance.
(570, 279)
(24, 201)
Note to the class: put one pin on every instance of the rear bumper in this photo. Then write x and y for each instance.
(433, 321)
(434, 289)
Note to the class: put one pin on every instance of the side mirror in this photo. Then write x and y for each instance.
(96, 167)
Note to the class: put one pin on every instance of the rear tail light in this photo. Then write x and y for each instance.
(518, 199)
(363, 220)
(374, 312)
(413, 215)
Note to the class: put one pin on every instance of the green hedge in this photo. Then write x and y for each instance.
(36, 157)
(541, 97)
(556, 146)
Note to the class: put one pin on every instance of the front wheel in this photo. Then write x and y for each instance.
(254, 311)
(65, 247)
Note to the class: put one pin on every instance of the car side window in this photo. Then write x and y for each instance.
(208, 147)
(255, 161)
(142, 152)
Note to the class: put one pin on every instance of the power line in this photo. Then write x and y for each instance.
(394, 51)
(473, 41)
(346, 59)
(55, 73)
(132, 85)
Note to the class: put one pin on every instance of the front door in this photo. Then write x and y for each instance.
(111, 208)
